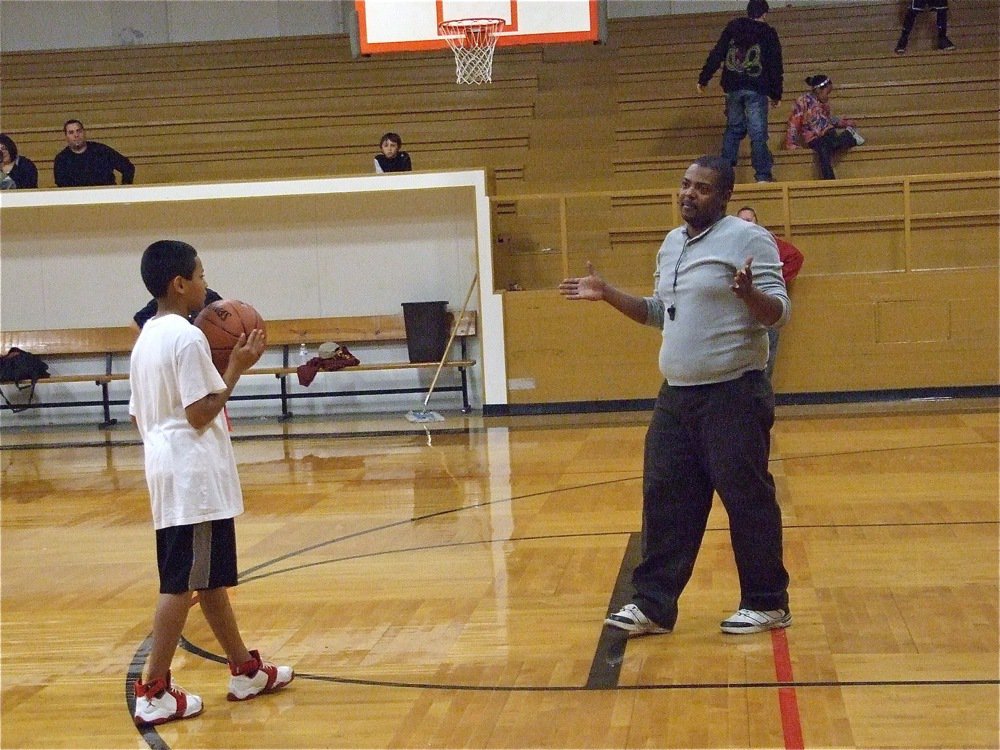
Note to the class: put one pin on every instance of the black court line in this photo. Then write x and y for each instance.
(659, 686)
(610, 652)
(415, 519)
(195, 650)
(623, 586)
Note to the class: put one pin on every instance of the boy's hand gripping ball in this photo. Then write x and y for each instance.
(222, 322)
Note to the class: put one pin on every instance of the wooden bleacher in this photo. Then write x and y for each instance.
(603, 132)
(558, 117)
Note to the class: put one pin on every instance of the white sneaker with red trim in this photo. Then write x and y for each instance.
(158, 702)
(256, 677)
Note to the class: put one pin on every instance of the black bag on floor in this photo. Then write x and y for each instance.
(23, 369)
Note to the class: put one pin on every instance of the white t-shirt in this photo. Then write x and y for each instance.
(191, 474)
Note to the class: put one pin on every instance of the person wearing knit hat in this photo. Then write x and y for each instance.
(812, 124)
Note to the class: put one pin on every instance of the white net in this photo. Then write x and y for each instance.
(473, 41)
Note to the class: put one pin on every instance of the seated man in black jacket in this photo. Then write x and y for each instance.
(83, 163)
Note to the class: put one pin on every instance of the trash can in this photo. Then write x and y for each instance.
(426, 330)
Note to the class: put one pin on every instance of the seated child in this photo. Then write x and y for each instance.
(392, 159)
(812, 124)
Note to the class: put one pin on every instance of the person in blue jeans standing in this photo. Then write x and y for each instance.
(749, 52)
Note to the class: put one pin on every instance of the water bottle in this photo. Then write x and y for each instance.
(303, 353)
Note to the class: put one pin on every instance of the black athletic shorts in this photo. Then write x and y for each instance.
(197, 556)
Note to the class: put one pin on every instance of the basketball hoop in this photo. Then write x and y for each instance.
(473, 41)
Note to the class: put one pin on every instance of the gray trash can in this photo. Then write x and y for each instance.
(426, 330)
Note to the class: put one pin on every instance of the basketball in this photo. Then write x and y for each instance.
(222, 322)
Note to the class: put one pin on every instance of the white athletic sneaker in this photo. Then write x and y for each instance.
(256, 677)
(859, 139)
(631, 619)
(158, 702)
(756, 621)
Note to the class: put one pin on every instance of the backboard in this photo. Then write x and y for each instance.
(387, 26)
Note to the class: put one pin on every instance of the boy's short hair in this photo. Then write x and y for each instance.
(72, 122)
(757, 8)
(163, 261)
(394, 137)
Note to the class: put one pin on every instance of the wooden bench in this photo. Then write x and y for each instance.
(65, 343)
(113, 345)
(370, 329)
(334, 104)
(870, 161)
(475, 149)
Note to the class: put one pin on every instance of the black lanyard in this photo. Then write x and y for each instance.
(672, 310)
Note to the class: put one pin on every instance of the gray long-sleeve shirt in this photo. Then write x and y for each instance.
(712, 337)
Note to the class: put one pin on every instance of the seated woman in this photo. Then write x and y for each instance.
(812, 124)
(18, 172)
(392, 159)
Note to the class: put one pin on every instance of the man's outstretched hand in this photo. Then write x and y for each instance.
(589, 287)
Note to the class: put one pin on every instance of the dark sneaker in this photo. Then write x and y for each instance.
(945, 44)
(158, 702)
(756, 621)
(256, 677)
(631, 619)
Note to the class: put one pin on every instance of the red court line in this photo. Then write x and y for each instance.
(791, 723)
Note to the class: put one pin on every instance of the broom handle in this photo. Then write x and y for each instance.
(451, 339)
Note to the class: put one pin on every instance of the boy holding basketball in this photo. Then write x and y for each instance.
(177, 400)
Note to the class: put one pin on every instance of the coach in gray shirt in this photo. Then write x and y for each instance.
(718, 287)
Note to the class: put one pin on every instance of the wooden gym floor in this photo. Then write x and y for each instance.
(445, 588)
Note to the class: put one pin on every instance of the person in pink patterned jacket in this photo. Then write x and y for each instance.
(812, 124)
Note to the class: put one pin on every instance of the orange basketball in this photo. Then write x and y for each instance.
(222, 323)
